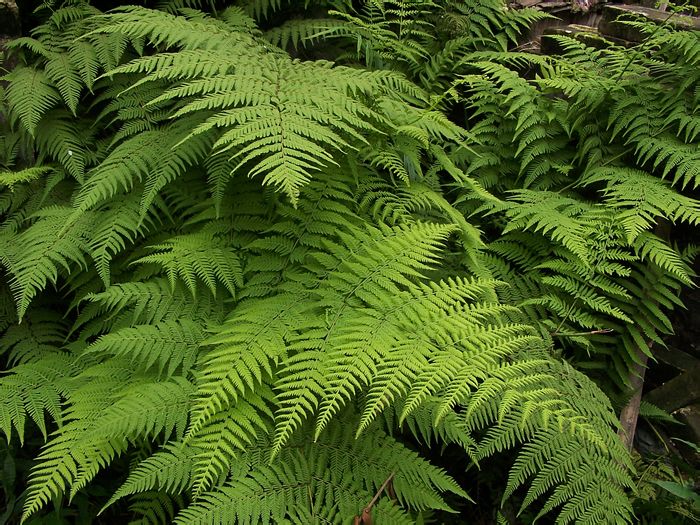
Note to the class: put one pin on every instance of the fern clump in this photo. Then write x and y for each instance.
(262, 265)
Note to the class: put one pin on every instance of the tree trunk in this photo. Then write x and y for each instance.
(630, 413)
(9, 29)
(9, 19)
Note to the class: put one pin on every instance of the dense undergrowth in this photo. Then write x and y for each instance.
(264, 261)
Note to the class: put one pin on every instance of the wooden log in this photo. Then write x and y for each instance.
(613, 15)
(676, 358)
(679, 392)
(586, 34)
(653, 3)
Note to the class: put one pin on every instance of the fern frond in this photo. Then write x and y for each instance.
(34, 389)
(381, 262)
(59, 69)
(271, 492)
(198, 256)
(94, 437)
(118, 224)
(643, 198)
(249, 344)
(228, 434)
(307, 32)
(43, 334)
(34, 256)
(168, 470)
(150, 302)
(169, 345)
(149, 157)
(553, 215)
(8, 179)
(58, 138)
(30, 95)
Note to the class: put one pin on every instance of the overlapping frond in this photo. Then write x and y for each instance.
(340, 473)
(272, 267)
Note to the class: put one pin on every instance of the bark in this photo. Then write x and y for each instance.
(9, 19)
(630, 413)
(9, 29)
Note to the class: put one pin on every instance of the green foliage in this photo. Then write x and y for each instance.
(587, 211)
(268, 270)
(664, 493)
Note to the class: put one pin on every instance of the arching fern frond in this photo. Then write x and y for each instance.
(341, 473)
(34, 256)
(202, 256)
(104, 415)
(168, 345)
(30, 95)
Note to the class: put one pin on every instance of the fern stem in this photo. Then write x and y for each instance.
(576, 334)
(366, 517)
(568, 313)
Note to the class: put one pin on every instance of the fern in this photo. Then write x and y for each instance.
(168, 344)
(34, 256)
(267, 260)
(324, 469)
(31, 94)
(198, 255)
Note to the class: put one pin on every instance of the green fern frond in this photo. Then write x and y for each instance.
(228, 434)
(168, 345)
(59, 69)
(198, 256)
(169, 470)
(58, 138)
(99, 429)
(8, 179)
(249, 344)
(118, 224)
(381, 262)
(307, 32)
(149, 508)
(149, 157)
(149, 302)
(651, 247)
(30, 95)
(552, 214)
(27, 342)
(164, 28)
(678, 159)
(264, 492)
(34, 256)
(34, 389)
(643, 198)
